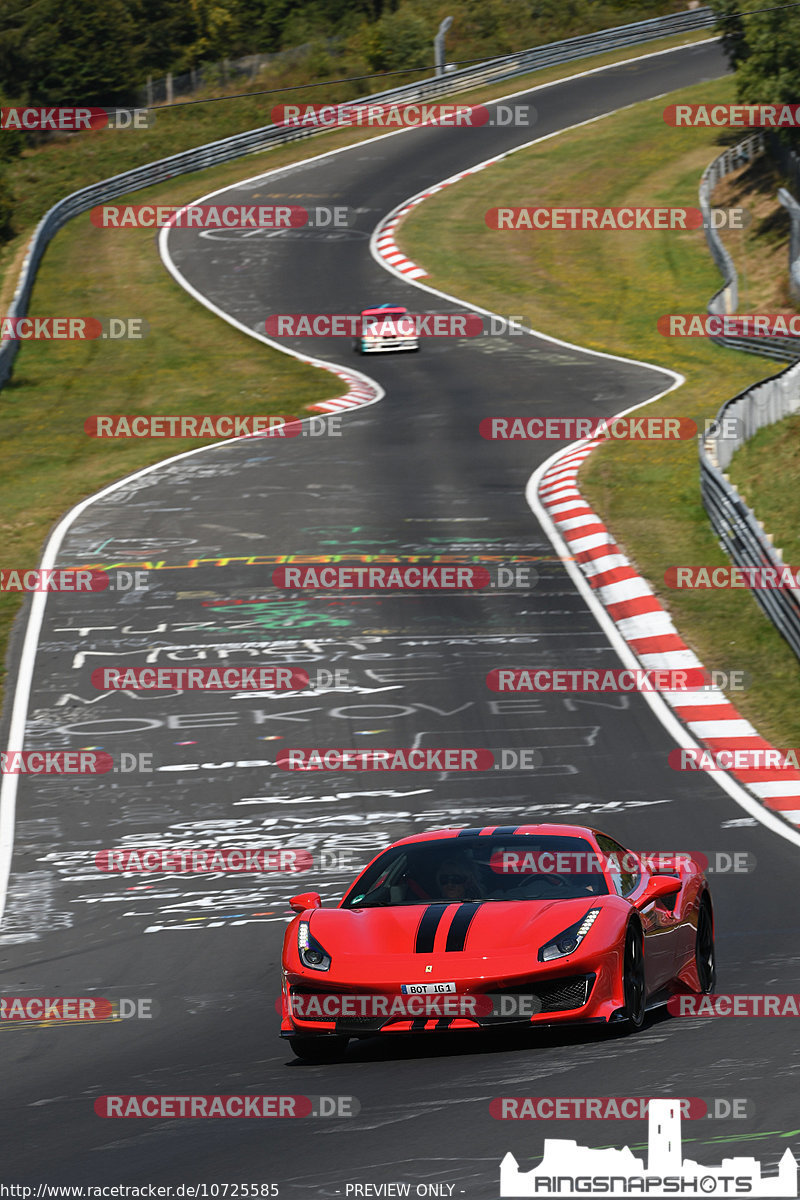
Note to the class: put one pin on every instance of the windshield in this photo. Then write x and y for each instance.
(388, 318)
(481, 868)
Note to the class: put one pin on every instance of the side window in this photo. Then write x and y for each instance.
(626, 874)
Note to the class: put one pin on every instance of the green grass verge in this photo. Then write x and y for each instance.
(606, 291)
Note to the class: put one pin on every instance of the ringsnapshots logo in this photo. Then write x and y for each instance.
(570, 1170)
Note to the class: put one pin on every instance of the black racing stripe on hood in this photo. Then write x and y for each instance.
(459, 926)
(505, 830)
(426, 930)
(469, 833)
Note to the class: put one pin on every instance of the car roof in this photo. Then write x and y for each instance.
(450, 833)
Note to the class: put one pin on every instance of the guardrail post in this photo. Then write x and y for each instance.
(438, 45)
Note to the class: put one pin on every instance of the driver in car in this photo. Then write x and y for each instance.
(455, 880)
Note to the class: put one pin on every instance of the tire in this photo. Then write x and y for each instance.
(318, 1049)
(704, 953)
(633, 981)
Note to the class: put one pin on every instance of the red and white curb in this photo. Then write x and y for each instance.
(382, 241)
(361, 390)
(650, 634)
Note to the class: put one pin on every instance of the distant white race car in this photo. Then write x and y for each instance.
(386, 328)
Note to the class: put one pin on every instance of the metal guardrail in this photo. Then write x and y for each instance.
(793, 208)
(726, 300)
(494, 71)
(740, 532)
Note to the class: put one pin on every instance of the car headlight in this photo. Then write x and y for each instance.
(311, 953)
(568, 941)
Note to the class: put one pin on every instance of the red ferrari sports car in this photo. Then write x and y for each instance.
(473, 928)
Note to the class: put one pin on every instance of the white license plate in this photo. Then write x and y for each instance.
(426, 989)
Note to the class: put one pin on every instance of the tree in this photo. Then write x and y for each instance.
(399, 39)
(165, 29)
(70, 51)
(733, 30)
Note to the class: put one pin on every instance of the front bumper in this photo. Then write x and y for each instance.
(387, 345)
(310, 1009)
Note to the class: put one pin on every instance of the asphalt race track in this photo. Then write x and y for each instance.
(409, 475)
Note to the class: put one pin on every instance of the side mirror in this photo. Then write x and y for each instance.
(305, 900)
(659, 885)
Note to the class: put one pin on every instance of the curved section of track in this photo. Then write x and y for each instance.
(409, 475)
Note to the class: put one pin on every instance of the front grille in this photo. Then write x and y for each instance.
(556, 995)
(350, 1021)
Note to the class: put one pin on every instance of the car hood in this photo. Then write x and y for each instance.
(472, 929)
